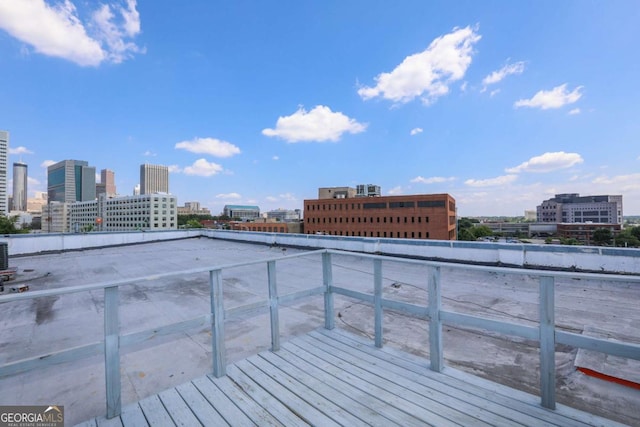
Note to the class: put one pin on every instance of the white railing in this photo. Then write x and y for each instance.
(545, 333)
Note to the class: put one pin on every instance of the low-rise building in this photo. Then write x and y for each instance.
(269, 225)
(242, 212)
(419, 216)
(285, 215)
(193, 208)
(584, 232)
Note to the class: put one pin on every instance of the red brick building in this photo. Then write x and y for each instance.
(419, 216)
(583, 232)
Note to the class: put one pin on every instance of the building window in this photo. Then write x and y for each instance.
(431, 204)
(379, 205)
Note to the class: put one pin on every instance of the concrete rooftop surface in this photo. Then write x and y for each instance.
(34, 327)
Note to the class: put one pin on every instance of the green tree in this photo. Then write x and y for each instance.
(628, 238)
(193, 223)
(602, 237)
(8, 225)
(466, 234)
(481, 231)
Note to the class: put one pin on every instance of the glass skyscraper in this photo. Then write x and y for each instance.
(71, 181)
(19, 187)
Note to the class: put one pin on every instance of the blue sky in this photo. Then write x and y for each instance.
(501, 104)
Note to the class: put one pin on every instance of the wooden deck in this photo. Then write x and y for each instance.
(330, 378)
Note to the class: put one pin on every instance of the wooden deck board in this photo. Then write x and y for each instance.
(336, 378)
(343, 386)
(423, 384)
(155, 412)
(201, 407)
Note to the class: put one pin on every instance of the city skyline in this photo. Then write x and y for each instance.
(500, 105)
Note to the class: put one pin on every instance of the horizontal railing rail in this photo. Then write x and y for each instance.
(545, 333)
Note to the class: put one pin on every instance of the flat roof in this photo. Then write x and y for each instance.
(29, 328)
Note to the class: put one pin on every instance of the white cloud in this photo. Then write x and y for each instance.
(47, 163)
(228, 196)
(427, 74)
(212, 146)
(554, 98)
(500, 180)
(628, 182)
(149, 153)
(20, 150)
(174, 168)
(201, 167)
(497, 76)
(574, 111)
(57, 30)
(285, 196)
(432, 180)
(320, 124)
(275, 158)
(415, 131)
(494, 92)
(548, 162)
(395, 191)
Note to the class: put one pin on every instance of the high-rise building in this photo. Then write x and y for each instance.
(71, 181)
(154, 179)
(4, 151)
(573, 208)
(107, 185)
(19, 187)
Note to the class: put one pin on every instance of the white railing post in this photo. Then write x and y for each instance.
(112, 351)
(435, 324)
(273, 306)
(217, 324)
(327, 281)
(547, 342)
(377, 300)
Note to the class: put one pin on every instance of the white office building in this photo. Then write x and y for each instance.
(285, 215)
(154, 179)
(573, 208)
(141, 212)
